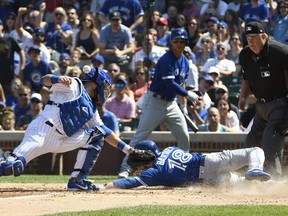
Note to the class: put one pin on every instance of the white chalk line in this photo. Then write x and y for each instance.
(24, 197)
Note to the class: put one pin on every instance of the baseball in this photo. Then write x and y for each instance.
(86, 69)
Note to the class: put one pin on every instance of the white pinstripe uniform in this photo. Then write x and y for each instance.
(41, 138)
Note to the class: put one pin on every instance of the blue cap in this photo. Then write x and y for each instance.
(65, 56)
(35, 48)
(208, 79)
(224, 24)
(98, 58)
(121, 80)
(39, 30)
(214, 19)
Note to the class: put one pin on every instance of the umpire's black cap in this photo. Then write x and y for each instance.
(254, 28)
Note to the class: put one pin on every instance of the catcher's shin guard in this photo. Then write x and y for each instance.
(12, 166)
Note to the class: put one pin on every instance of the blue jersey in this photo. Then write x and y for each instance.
(130, 10)
(259, 13)
(280, 30)
(174, 167)
(110, 120)
(34, 74)
(169, 67)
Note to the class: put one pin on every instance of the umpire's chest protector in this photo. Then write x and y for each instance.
(74, 114)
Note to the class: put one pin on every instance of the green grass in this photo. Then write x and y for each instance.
(145, 210)
(51, 179)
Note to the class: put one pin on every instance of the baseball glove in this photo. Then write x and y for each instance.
(139, 157)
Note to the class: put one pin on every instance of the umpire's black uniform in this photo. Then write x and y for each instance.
(266, 75)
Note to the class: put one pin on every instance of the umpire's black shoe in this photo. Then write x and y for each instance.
(84, 185)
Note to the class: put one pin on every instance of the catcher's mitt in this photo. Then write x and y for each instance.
(139, 157)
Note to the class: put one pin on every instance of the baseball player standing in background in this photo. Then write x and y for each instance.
(171, 71)
(175, 167)
(265, 66)
(60, 126)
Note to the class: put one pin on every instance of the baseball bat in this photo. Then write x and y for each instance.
(190, 123)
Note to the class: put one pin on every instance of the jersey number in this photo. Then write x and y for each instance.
(180, 156)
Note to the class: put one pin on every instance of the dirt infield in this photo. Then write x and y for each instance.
(38, 199)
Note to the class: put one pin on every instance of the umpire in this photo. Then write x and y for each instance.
(265, 63)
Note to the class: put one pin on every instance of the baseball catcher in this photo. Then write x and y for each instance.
(176, 167)
(60, 127)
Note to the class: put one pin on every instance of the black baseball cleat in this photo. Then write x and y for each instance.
(257, 174)
(84, 185)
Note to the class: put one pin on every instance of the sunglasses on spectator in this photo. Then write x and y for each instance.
(220, 48)
(220, 91)
(234, 39)
(35, 101)
(58, 14)
(221, 27)
(23, 95)
(140, 73)
(89, 20)
(39, 35)
(205, 41)
(120, 85)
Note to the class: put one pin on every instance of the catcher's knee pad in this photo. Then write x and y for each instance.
(91, 157)
(12, 166)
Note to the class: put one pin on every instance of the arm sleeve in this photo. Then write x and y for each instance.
(178, 89)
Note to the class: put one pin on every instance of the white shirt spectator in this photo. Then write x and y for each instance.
(222, 65)
(192, 79)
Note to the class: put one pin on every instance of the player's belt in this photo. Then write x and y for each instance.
(51, 125)
(266, 100)
(155, 95)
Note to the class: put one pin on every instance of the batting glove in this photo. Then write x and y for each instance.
(183, 108)
(192, 96)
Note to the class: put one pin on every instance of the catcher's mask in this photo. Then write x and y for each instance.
(148, 145)
(101, 79)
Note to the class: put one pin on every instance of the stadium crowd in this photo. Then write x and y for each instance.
(61, 36)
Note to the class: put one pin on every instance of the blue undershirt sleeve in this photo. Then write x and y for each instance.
(178, 89)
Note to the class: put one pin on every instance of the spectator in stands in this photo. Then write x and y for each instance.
(121, 104)
(206, 52)
(255, 10)
(141, 80)
(64, 63)
(226, 67)
(35, 69)
(191, 9)
(75, 58)
(23, 105)
(59, 32)
(280, 20)
(109, 119)
(98, 61)
(9, 23)
(7, 120)
(235, 6)
(193, 30)
(116, 42)
(227, 116)
(148, 55)
(214, 72)
(113, 70)
(213, 124)
(231, 18)
(223, 35)
(7, 60)
(197, 112)
(46, 94)
(233, 53)
(128, 91)
(171, 15)
(211, 25)
(163, 33)
(87, 39)
(153, 18)
(181, 21)
(215, 7)
(205, 83)
(193, 76)
(223, 92)
(36, 108)
(11, 99)
(73, 21)
(131, 12)
(74, 71)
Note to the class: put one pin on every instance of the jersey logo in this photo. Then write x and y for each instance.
(84, 109)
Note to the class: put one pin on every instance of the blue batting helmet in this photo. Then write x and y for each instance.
(148, 145)
(179, 33)
(102, 80)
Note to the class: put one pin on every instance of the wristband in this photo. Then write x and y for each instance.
(121, 145)
(55, 79)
